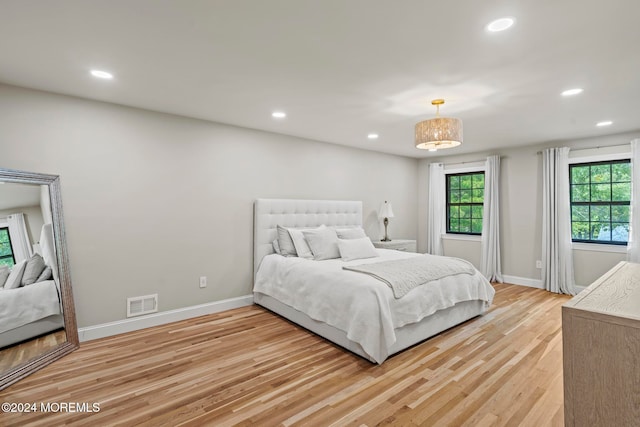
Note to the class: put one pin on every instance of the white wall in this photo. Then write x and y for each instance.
(153, 201)
(521, 210)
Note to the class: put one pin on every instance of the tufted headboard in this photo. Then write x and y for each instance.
(269, 213)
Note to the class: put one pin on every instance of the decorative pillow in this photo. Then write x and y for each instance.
(302, 247)
(276, 247)
(351, 249)
(4, 273)
(323, 243)
(351, 233)
(285, 243)
(35, 267)
(15, 277)
(47, 274)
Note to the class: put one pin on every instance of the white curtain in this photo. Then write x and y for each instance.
(19, 237)
(490, 261)
(557, 255)
(437, 219)
(633, 247)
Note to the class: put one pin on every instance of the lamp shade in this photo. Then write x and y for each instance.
(438, 133)
(385, 211)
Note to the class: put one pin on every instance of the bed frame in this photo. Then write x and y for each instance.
(269, 213)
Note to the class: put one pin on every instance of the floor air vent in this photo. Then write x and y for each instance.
(137, 306)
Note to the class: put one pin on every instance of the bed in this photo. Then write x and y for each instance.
(353, 310)
(32, 310)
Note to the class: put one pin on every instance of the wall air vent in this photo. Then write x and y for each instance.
(137, 306)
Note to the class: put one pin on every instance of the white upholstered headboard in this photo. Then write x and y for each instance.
(269, 213)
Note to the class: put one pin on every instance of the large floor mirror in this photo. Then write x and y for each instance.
(37, 315)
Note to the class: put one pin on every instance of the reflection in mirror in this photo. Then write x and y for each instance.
(37, 319)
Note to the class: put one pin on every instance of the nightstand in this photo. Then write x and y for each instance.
(398, 245)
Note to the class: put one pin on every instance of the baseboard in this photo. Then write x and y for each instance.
(523, 281)
(162, 318)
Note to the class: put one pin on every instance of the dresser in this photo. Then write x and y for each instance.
(398, 245)
(601, 351)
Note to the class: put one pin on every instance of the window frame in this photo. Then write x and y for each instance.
(4, 226)
(461, 172)
(595, 161)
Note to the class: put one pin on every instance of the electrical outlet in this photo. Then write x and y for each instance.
(538, 264)
(203, 281)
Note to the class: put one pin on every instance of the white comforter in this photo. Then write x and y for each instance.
(362, 306)
(27, 304)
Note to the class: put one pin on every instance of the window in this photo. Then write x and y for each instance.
(6, 251)
(600, 195)
(465, 197)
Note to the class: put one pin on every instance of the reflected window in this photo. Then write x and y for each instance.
(600, 199)
(6, 251)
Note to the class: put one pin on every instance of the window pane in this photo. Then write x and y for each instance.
(478, 196)
(476, 212)
(621, 192)
(465, 211)
(600, 231)
(601, 173)
(453, 226)
(580, 230)
(600, 192)
(454, 182)
(453, 212)
(476, 226)
(620, 232)
(621, 172)
(620, 214)
(580, 175)
(600, 213)
(579, 213)
(465, 226)
(580, 193)
(478, 181)
(465, 196)
(454, 196)
(465, 182)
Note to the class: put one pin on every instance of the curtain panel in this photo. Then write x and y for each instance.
(436, 223)
(490, 260)
(557, 254)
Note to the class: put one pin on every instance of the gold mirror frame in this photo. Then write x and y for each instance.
(68, 309)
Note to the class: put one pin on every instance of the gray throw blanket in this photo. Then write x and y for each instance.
(402, 275)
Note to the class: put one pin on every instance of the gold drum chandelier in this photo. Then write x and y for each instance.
(439, 132)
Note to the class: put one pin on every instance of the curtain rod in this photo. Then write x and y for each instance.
(465, 162)
(595, 148)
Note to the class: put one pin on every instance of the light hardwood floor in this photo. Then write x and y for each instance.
(17, 354)
(250, 367)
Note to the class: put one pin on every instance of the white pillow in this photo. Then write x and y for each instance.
(15, 277)
(276, 247)
(350, 233)
(301, 245)
(351, 249)
(323, 243)
(285, 243)
(4, 275)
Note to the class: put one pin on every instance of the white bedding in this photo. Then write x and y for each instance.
(362, 306)
(27, 304)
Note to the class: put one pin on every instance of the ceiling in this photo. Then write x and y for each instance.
(342, 69)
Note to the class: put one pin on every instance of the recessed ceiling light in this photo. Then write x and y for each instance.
(604, 123)
(500, 24)
(571, 92)
(372, 136)
(101, 74)
(278, 115)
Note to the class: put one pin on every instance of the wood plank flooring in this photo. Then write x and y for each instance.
(250, 367)
(17, 354)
